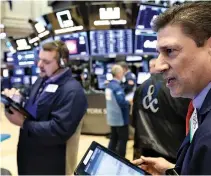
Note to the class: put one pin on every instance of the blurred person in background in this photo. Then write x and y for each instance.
(117, 112)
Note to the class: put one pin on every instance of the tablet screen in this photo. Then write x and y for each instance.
(101, 163)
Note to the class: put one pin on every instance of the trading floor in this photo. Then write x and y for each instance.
(9, 146)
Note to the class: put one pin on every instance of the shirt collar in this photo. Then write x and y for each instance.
(199, 99)
(117, 80)
(57, 76)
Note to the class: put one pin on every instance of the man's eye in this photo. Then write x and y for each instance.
(169, 51)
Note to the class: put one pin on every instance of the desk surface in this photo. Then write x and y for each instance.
(4, 137)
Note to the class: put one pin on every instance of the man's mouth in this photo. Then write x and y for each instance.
(170, 80)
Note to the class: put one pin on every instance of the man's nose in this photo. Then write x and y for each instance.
(160, 64)
(39, 64)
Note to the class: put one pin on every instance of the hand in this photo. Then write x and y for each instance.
(154, 166)
(16, 117)
(13, 93)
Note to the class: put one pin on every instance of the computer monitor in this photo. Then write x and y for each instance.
(9, 58)
(27, 80)
(25, 58)
(99, 70)
(18, 72)
(111, 42)
(35, 70)
(101, 79)
(145, 42)
(147, 14)
(5, 73)
(77, 44)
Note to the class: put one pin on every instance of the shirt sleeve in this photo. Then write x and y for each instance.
(65, 118)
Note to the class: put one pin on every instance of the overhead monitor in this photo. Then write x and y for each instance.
(110, 15)
(142, 76)
(68, 20)
(108, 42)
(146, 15)
(25, 58)
(77, 43)
(145, 42)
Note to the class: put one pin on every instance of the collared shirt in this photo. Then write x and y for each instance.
(31, 105)
(199, 99)
(56, 77)
(117, 80)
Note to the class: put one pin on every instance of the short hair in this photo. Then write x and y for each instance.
(194, 18)
(124, 65)
(116, 69)
(58, 46)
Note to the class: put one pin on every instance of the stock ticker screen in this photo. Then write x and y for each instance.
(106, 42)
(77, 43)
(25, 58)
(146, 16)
(145, 42)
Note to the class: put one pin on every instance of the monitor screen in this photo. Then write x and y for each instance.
(25, 58)
(99, 71)
(142, 76)
(101, 79)
(77, 43)
(16, 80)
(110, 15)
(145, 42)
(35, 70)
(26, 80)
(107, 42)
(101, 163)
(5, 73)
(146, 16)
(19, 71)
(8, 58)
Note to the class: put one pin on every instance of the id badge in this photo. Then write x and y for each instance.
(51, 88)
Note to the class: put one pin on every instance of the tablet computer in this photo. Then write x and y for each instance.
(99, 160)
(8, 102)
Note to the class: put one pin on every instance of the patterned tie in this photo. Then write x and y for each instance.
(188, 116)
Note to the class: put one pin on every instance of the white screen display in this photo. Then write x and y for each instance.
(102, 163)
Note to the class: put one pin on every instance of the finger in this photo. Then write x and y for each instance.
(149, 159)
(137, 161)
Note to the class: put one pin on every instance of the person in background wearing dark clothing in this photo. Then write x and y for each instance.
(117, 112)
(184, 45)
(57, 104)
(129, 79)
(158, 119)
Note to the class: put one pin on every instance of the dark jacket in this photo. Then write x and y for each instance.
(159, 119)
(129, 76)
(42, 142)
(194, 158)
